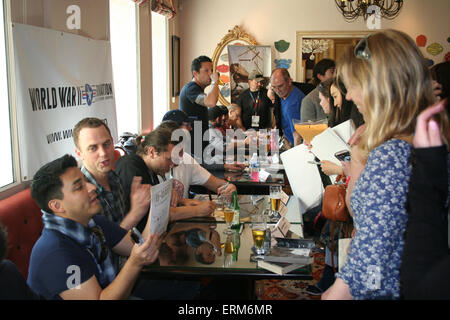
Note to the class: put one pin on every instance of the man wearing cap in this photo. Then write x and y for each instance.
(255, 105)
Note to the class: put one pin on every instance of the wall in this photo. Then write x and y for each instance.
(203, 23)
(52, 14)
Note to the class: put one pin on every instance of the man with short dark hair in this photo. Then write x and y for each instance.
(73, 257)
(255, 104)
(311, 109)
(195, 102)
(95, 148)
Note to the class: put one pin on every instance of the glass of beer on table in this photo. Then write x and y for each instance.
(228, 211)
(259, 233)
(275, 200)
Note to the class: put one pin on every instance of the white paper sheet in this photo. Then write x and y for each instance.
(160, 206)
(304, 178)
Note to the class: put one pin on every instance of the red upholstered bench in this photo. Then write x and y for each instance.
(22, 219)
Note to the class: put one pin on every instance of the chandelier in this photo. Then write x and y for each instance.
(352, 9)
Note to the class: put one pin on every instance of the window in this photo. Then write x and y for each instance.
(160, 66)
(124, 63)
(6, 160)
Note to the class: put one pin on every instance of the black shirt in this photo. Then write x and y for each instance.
(426, 256)
(247, 101)
(188, 95)
(13, 285)
(128, 167)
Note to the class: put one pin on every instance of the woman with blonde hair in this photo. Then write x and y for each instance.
(387, 78)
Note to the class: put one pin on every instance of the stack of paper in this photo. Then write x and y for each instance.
(332, 140)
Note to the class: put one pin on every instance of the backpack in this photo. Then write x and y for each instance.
(127, 142)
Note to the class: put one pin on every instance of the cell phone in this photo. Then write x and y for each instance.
(343, 155)
(136, 236)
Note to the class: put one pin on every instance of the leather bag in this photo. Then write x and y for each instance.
(334, 207)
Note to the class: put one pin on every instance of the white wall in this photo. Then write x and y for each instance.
(203, 23)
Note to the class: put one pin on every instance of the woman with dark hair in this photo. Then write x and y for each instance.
(153, 159)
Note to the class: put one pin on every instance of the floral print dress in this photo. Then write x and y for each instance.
(378, 201)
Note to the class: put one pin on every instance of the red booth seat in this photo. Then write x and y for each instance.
(22, 219)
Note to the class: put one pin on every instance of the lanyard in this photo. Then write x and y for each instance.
(255, 102)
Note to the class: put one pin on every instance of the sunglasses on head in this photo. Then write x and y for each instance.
(362, 49)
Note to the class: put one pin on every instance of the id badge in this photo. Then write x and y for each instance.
(255, 121)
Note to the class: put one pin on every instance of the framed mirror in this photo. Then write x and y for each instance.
(235, 36)
(312, 46)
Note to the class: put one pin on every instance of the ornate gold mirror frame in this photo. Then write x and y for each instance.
(234, 36)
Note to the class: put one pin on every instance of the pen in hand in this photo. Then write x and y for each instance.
(222, 188)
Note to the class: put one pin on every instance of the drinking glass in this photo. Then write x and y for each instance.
(259, 233)
(275, 201)
(228, 212)
(309, 129)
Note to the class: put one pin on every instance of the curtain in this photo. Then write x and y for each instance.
(159, 6)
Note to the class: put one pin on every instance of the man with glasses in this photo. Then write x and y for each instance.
(290, 101)
(73, 257)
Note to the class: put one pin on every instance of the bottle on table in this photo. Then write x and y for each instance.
(254, 167)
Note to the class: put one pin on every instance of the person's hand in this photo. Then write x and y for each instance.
(297, 138)
(346, 168)
(140, 197)
(146, 253)
(427, 129)
(226, 189)
(234, 167)
(437, 90)
(215, 76)
(330, 168)
(206, 208)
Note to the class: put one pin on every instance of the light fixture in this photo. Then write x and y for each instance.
(352, 9)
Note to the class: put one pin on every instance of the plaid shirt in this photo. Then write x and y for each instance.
(112, 202)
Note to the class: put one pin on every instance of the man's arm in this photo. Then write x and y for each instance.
(215, 183)
(140, 197)
(211, 98)
(121, 286)
(206, 208)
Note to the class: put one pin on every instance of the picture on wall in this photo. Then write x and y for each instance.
(242, 61)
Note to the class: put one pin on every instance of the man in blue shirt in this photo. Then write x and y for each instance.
(73, 257)
(291, 99)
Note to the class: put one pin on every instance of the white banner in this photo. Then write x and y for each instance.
(60, 79)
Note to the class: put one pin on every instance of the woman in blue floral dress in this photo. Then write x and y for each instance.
(388, 80)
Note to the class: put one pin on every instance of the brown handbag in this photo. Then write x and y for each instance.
(334, 207)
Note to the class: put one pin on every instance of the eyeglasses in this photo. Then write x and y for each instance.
(362, 49)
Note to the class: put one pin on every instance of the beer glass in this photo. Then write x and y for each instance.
(259, 233)
(228, 212)
(275, 201)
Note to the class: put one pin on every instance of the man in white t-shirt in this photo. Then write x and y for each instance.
(188, 171)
